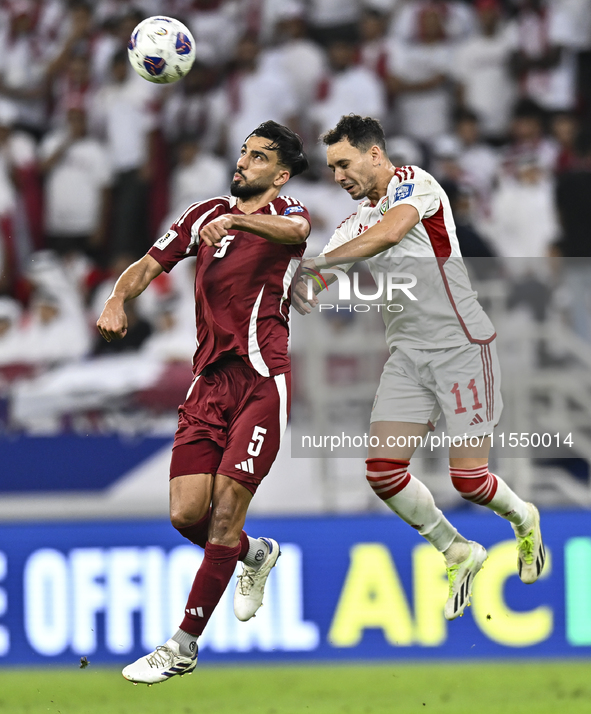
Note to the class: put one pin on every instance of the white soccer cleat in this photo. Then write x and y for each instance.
(531, 554)
(461, 577)
(250, 588)
(160, 665)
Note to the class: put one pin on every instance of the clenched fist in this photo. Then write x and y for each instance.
(217, 229)
(112, 324)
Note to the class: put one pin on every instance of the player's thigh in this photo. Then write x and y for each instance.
(202, 416)
(468, 381)
(255, 432)
(395, 440)
(402, 397)
(471, 453)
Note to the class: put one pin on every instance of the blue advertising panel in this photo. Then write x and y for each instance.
(52, 463)
(345, 588)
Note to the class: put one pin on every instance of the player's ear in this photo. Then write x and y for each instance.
(376, 154)
(282, 177)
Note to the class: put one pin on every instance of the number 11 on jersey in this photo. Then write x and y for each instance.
(455, 390)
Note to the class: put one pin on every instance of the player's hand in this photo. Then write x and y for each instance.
(112, 324)
(299, 297)
(299, 292)
(217, 229)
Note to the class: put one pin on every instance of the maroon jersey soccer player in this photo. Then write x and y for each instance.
(247, 247)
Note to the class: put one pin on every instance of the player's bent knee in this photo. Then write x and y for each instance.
(475, 485)
(182, 518)
(387, 477)
(183, 515)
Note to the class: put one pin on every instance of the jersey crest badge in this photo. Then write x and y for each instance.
(403, 191)
(293, 209)
(167, 238)
(384, 205)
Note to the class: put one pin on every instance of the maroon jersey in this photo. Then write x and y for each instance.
(242, 285)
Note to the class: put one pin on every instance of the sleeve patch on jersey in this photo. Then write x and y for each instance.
(403, 191)
(167, 238)
(293, 209)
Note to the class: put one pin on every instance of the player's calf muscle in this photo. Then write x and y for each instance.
(230, 504)
(227, 521)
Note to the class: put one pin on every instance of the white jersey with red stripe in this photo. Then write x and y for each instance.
(440, 309)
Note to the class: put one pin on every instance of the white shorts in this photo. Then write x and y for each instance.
(462, 382)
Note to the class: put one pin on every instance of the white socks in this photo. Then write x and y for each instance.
(415, 505)
(257, 553)
(507, 504)
(187, 643)
(458, 551)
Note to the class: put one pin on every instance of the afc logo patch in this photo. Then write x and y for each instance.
(167, 238)
(403, 191)
(293, 209)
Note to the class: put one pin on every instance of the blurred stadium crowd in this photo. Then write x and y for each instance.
(492, 96)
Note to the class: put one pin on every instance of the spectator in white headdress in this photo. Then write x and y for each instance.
(77, 184)
(482, 67)
(301, 60)
(458, 19)
(55, 327)
(252, 94)
(420, 78)
(347, 88)
(524, 220)
(544, 60)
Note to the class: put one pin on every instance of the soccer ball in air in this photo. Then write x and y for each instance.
(161, 49)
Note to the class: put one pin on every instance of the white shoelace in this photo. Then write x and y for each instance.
(245, 582)
(161, 657)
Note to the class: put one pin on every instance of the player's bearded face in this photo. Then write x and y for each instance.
(353, 169)
(245, 188)
(256, 169)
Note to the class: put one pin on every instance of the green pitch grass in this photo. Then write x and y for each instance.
(485, 688)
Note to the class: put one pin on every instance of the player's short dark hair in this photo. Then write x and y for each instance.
(360, 132)
(288, 145)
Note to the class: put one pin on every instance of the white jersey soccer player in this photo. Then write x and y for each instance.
(438, 311)
(442, 351)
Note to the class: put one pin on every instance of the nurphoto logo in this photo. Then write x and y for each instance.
(387, 285)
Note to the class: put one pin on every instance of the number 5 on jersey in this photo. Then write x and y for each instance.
(253, 449)
(258, 437)
(223, 246)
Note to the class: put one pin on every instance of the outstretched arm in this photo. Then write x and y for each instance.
(276, 229)
(395, 224)
(112, 324)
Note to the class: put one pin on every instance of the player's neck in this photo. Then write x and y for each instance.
(254, 203)
(384, 175)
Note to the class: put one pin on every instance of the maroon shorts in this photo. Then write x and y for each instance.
(231, 423)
